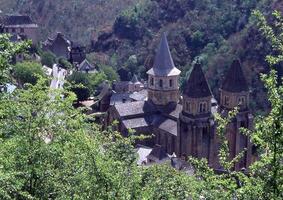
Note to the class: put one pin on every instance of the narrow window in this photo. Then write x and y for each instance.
(161, 83)
(241, 101)
(13, 30)
(151, 81)
(202, 107)
(22, 30)
(226, 101)
(171, 83)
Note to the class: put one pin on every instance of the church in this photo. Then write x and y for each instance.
(183, 122)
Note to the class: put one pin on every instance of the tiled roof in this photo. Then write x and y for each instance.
(235, 80)
(197, 86)
(86, 66)
(163, 63)
(12, 20)
(135, 108)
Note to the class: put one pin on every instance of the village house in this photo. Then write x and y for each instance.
(60, 46)
(19, 26)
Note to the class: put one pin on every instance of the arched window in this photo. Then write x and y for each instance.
(171, 83)
(188, 107)
(242, 100)
(226, 101)
(202, 107)
(161, 83)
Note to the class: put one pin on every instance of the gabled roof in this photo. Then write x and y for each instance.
(60, 37)
(197, 86)
(86, 66)
(163, 63)
(235, 80)
(135, 79)
(13, 20)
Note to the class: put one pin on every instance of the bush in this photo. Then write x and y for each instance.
(28, 72)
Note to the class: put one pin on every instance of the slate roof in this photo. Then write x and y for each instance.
(163, 63)
(197, 86)
(135, 108)
(135, 79)
(86, 66)
(157, 153)
(235, 80)
(16, 20)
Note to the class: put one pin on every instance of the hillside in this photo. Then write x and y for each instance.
(214, 32)
(78, 19)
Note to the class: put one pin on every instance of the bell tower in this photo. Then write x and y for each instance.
(196, 124)
(163, 87)
(235, 93)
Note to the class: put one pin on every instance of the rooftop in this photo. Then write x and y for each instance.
(197, 86)
(235, 80)
(163, 63)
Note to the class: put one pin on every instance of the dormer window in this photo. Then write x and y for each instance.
(161, 83)
(171, 83)
(202, 107)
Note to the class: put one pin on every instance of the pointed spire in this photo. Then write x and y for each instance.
(163, 63)
(235, 80)
(197, 86)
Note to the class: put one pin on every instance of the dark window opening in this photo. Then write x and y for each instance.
(151, 82)
(161, 83)
(226, 101)
(171, 83)
(22, 30)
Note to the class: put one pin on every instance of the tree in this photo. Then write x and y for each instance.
(8, 51)
(80, 85)
(48, 59)
(28, 72)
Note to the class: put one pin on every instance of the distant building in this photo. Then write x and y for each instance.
(59, 46)
(20, 26)
(77, 54)
(87, 67)
(187, 127)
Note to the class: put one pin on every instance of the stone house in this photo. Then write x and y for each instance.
(20, 26)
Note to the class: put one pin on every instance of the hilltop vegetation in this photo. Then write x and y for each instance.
(212, 31)
(78, 19)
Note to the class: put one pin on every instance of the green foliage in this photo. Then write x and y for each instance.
(48, 58)
(85, 84)
(28, 72)
(110, 73)
(62, 62)
(8, 51)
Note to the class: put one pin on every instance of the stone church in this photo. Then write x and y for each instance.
(183, 122)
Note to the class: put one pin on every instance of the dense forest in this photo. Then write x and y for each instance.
(127, 35)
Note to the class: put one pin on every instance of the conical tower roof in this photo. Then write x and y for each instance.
(163, 63)
(235, 80)
(197, 86)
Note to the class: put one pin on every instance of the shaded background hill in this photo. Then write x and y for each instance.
(125, 33)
